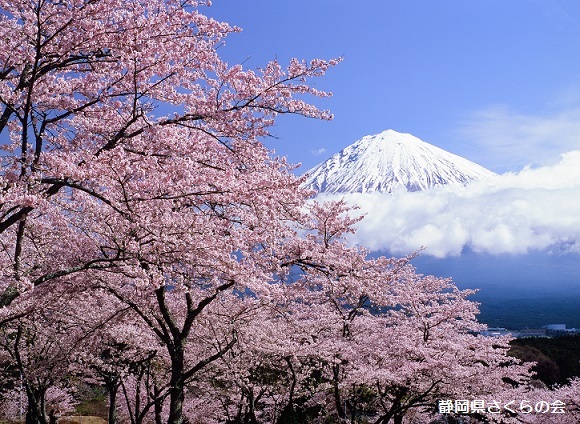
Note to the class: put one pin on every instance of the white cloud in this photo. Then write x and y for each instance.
(536, 208)
(504, 139)
(318, 152)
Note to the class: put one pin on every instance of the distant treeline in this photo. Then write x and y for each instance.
(558, 358)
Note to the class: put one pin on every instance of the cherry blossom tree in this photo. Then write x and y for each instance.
(269, 375)
(40, 345)
(134, 181)
(425, 349)
(114, 349)
(119, 106)
(389, 340)
(134, 161)
(57, 399)
(348, 335)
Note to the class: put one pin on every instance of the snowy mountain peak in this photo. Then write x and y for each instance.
(389, 160)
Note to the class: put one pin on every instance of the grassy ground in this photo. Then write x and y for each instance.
(81, 420)
(94, 402)
(72, 419)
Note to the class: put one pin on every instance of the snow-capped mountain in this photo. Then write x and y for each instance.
(386, 161)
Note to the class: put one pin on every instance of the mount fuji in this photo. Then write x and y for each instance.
(391, 160)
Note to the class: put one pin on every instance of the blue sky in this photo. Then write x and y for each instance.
(495, 81)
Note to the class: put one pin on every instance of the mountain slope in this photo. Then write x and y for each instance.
(389, 160)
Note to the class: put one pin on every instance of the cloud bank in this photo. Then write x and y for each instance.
(536, 208)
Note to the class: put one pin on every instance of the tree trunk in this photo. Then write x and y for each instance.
(176, 391)
(158, 405)
(250, 417)
(288, 415)
(35, 410)
(113, 388)
(176, 405)
(337, 401)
